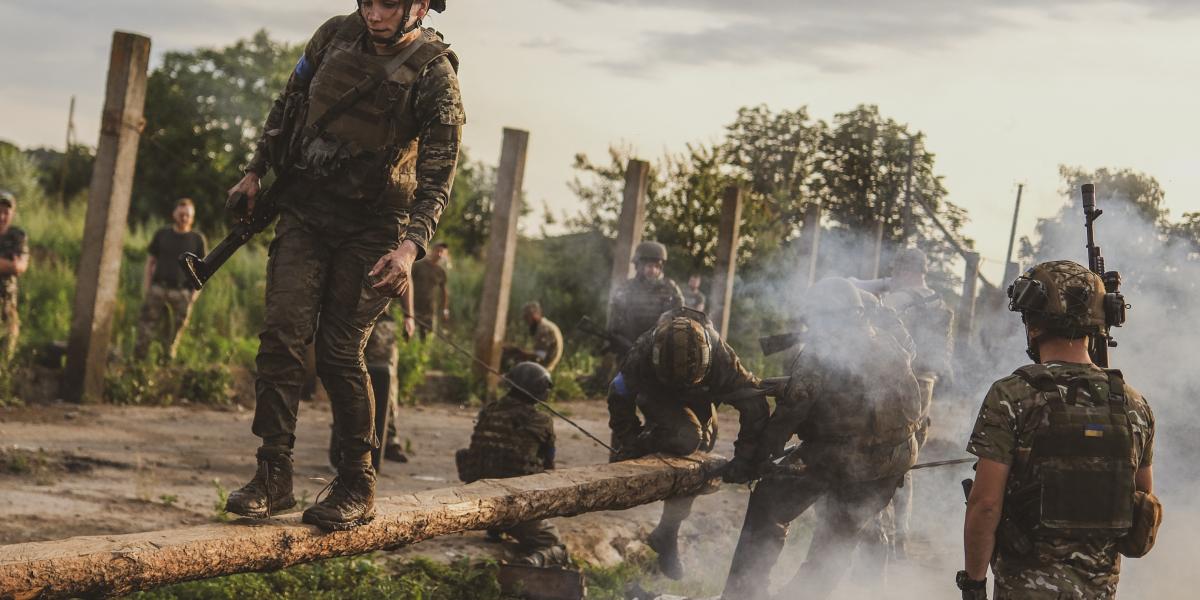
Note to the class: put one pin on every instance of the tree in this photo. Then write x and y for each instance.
(204, 110)
(468, 217)
(50, 163)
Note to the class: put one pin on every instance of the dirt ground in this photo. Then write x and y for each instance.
(68, 471)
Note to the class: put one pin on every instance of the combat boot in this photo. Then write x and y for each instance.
(269, 492)
(554, 556)
(351, 499)
(666, 544)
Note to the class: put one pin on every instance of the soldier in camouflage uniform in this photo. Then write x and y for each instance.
(692, 296)
(674, 374)
(14, 260)
(853, 401)
(547, 338)
(636, 306)
(1064, 449)
(512, 438)
(343, 245)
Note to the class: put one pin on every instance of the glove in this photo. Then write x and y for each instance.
(970, 588)
(739, 471)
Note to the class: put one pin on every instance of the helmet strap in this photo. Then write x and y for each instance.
(403, 29)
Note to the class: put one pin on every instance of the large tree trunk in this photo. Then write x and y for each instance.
(112, 565)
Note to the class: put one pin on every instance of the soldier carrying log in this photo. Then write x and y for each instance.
(376, 136)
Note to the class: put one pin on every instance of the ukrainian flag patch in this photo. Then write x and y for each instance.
(1093, 430)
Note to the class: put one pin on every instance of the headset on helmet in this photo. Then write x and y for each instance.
(1066, 299)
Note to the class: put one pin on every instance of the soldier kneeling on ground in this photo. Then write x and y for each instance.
(512, 439)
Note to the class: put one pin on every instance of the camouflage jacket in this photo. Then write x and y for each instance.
(636, 306)
(381, 348)
(1011, 413)
(930, 323)
(13, 244)
(512, 438)
(423, 171)
(637, 383)
(854, 403)
(547, 343)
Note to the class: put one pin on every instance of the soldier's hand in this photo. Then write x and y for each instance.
(410, 327)
(739, 471)
(248, 188)
(393, 271)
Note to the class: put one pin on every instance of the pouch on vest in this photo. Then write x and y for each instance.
(467, 463)
(1147, 516)
(1081, 465)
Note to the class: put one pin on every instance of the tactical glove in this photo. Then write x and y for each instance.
(971, 589)
(739, 471)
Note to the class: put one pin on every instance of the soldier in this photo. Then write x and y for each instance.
(675, 374)
(853, 401)
(512, 439)
(693, 297)
(432, 292)
(547, 338)
(14, 260)
(169, 293)
(380, 141)
(636, 306)
(930, 323)
(1065, 451)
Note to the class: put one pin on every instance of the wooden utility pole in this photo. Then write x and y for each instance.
(727, 245)
(1010, 267)
(966, 307)
(114, 565)
(906, 215)
(62, 172)
(500, 254)
(810, 237)
(868, 267)
(631, 222)
(108, 208)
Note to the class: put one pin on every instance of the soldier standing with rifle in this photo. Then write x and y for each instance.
(379, 139)
(1064, 483)
(636, 306)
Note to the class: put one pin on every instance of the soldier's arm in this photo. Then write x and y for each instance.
(791, 410)
(298, 81)
(622, 412)
(439, 110)
(151, 263)
(983, 516)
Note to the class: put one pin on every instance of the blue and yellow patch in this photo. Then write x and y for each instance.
(1093, 430)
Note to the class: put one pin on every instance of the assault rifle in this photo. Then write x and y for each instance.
(616, 343)
(1114, 301)
(198, 269)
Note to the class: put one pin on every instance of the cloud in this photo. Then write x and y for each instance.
(826, 34)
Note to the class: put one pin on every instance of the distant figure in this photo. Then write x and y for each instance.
(432, 300)
(512, 438)
(637, 304)
(547, 338)
(693, 297)
(14, 260)
(169, 295)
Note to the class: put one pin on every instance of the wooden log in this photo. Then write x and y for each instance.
(99, 566)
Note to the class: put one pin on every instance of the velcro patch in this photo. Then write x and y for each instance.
(1093, 430)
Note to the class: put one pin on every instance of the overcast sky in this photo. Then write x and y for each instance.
(1005, 90)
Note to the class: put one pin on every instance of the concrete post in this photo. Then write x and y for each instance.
(810, 237)
(631, 222)
(966, 307)
(108, 208)
(727, 244)
(500, 254)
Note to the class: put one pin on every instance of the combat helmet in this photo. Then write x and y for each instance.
(910, 260)
(530, 381)
(650, 251)
(1061, 296)
(832, 296)
(682, 351)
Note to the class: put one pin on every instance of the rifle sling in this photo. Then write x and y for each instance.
(360, 90)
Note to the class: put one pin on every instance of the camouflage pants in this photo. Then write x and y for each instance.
(165, 314)
(673, 428)
(10, 325)
(317, 288)
(777, 500)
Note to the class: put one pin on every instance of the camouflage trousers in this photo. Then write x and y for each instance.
(674, 428)
(164, 316)
(780, 498)
(318, 289)
(10, 325)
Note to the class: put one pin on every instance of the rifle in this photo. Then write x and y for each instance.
(774, 344)
(616, 343)
(1114, 301)
(198, 270)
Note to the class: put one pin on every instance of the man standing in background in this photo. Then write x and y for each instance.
(547, 338)
(432, 300)
(168, 293)
(636, 306)
(14, 260)
(693, 297)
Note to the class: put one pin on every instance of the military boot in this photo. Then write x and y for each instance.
(666, 544)
(351, 499)
(553, 556)
(270, 492)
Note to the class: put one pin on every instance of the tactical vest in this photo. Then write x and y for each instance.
(1077, 479)
(363, 145)
(643, 302)
(501, 445)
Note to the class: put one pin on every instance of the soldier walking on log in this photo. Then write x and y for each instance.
(1064, 483)
(675, 375)
(379, 141)
(853, 401)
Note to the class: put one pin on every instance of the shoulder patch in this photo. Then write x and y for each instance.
(620, 386)
(304, 70)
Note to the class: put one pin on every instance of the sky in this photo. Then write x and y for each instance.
(1005, 90)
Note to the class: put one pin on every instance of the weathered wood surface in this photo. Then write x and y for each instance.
(99, 566)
